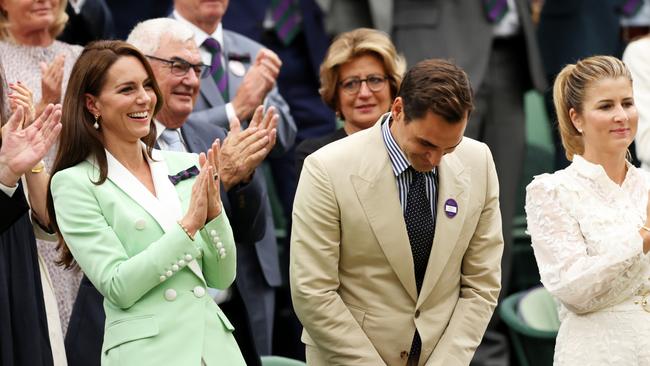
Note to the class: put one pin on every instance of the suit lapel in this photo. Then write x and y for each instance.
(132, 187)
(453, 183)
(192, 138)
(377, 191)
(210, 92)
(230, 46)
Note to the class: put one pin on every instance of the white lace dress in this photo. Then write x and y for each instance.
(584, 230)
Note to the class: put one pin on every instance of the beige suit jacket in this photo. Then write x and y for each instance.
(352, 276)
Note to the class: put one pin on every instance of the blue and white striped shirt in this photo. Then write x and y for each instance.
(403, 175)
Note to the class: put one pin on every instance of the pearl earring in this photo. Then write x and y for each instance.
(96, 124)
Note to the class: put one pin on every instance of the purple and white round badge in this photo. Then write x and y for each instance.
(451, 208)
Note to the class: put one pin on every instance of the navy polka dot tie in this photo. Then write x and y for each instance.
(420, 228)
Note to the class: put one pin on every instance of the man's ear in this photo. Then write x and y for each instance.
(92, 104)
(397, 109)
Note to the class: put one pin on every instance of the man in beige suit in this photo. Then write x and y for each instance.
(396, 242)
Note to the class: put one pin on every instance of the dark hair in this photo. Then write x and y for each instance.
(79, 139)
(438, 86)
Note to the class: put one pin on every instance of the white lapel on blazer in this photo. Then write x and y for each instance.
(165, 190)
(132, 187)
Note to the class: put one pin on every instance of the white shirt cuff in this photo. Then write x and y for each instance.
(9, 191)
(230, 112)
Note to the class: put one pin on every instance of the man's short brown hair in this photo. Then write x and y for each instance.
(438, 86)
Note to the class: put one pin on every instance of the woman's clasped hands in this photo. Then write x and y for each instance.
(205, 202)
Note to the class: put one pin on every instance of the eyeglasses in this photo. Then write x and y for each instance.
(180, 67)
(374, 82)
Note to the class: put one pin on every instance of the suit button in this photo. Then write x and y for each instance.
(417, 314)
(140, 224)
(199, 291)
(170, 294)
(403, 355)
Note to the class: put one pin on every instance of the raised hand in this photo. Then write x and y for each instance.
(243, 151)
(51, 82)
(23, 147)
(197, 211)
(213, 197)
(268, 122)
(258, 82)
(21, 95)
(233, 164)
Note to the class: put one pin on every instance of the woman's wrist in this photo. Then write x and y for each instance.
(213, 215)
(8, 177)
(189, 228)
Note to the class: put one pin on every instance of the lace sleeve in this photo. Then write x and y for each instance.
(583, 277)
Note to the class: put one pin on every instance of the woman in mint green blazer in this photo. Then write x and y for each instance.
(146, 226)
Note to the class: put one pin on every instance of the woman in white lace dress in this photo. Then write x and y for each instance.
(589, 222)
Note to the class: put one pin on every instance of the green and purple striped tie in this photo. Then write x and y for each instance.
(286, 15)
(495, 9)
(217, 70)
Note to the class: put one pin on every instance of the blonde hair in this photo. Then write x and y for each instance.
(569, 92)
(356, 43)
(55, 29)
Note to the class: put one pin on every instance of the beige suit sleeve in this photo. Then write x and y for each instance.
(480, 281)
(314, 265)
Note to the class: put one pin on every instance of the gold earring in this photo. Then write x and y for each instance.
(96, 124)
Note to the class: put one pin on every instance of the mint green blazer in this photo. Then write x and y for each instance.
(152, 276)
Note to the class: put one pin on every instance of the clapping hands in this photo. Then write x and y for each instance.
(205, 202)
(23, 147)
(244, 150)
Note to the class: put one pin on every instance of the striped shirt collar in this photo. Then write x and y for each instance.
(398, 160)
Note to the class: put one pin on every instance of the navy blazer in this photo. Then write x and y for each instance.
(246, 17)
(92, 23)
(573, 29)
(13, 208)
